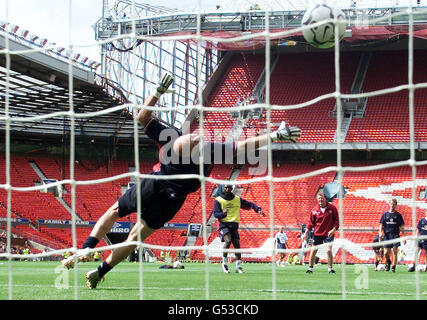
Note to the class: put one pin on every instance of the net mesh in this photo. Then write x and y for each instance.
(267, 34)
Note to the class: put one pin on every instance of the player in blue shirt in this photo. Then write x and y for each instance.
(422, 244)
(160, 198)
(391, 225)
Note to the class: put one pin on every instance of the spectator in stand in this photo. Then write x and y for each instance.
(325, 222)
(391, 225)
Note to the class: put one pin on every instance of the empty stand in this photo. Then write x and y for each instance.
(301, 77)
(237, 83)
(387, 116)
(365, 208)
(293, 200)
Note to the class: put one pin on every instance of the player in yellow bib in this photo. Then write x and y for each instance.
(227, 210)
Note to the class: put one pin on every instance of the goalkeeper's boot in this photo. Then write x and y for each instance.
(393, 269)
(331, 271)
(68, 263)
(85, 256)
(93, 279)
(412, 269)
(309, 271)
(239, 270)
(225, 268)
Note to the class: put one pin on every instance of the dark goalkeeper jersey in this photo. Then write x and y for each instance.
(422, 227)
(173, 164)
(391, 222)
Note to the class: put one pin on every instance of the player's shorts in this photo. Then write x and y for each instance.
(391, 236)
(318, 240)
(281, 245)
(231, 229)
(158, 205)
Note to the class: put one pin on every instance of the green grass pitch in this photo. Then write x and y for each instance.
(49, 281)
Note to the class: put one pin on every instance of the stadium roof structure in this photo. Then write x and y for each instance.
(38, 84)
(364, 24)
(131, 43)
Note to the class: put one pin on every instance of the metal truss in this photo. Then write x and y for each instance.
(134, 66)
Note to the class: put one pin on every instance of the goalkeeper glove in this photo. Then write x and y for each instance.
(163, 86)
(285, 133)
(261, 212)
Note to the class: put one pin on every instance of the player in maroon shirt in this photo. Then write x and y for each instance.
(324, 219)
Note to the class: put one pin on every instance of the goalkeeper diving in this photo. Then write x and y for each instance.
(161, 199)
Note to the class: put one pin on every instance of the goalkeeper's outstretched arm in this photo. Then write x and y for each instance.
(283, 133)
(144, 115)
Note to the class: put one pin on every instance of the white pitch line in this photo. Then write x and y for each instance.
(367, 292)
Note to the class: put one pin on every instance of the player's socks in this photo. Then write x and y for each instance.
(104, 268)
(90, 242)
(225, 268)
(387, 266)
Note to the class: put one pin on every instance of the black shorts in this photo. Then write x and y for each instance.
(231, 229)
(422, 244)
(281, 245)
(158, 205)
(391, 236)
(318, 240)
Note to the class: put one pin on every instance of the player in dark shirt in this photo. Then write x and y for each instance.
(422, 243)
(378, 250)
(391, 225)
(160, 198)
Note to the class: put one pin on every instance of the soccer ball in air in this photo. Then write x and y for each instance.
(323, 36)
